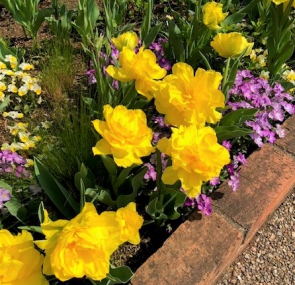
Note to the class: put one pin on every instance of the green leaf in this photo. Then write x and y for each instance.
(155, 209)
(151, 36)
(233, 19)
(146, 23)
(16, 209)
(4, 50)
(5, 185)
(61, 198)
(109, 164)
(117, 275)
(102, 195)
(123, 175)
(230, 132)
(4, 103)
(35, 229)
(41, 212)
(175, 40)
(237, 117)
(124, 199)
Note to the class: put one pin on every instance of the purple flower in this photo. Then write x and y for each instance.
(214, 181)
(234, 181)
(204, 204)
(227, 145)
(4, 196)
(151, 174)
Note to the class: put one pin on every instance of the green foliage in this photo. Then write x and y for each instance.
(26, 13)
(60, 22)
(117, 275)
(280, 43)
(61, 198)
(124, 187)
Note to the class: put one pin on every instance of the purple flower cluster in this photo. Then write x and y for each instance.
(4, 196)
(156, 47)
(233, 168)
(151, 173)
(13, 163)
(202, 202)
(273, 105)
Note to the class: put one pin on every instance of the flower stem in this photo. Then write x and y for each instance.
(225, 78)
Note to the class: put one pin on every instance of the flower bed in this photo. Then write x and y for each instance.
(93, 160)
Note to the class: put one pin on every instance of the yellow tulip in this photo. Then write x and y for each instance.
(187, 98)
(128, 39)
(141, 67)
(231, 45)
(213, 15)
(125, 135)
(20, 262)
(196, 157)
(130, 222)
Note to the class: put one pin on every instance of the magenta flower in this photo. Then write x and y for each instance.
(204, 204)
(4, 196)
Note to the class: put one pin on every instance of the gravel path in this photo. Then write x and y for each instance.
(270, 257)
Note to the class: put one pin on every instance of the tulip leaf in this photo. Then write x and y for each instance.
(35, 229)
(124, 199)
(234, 18)
(116, 275)
(150, 37)
(175, 39)
(237, 117)
(146, 23)
(230, 132)
(102, 195)
(61, 197)
(123, 175)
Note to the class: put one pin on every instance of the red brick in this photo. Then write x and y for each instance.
(288, 142)
(264, 183)
(196, 254)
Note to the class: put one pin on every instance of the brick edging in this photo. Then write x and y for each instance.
(199, 251)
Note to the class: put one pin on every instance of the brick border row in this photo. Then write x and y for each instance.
(200, 250)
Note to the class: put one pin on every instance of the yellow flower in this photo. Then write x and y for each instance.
(23, 90)
(213, 15)
(285, 2)
(2, 86)
(130, 222)
(2, 65)
(12, 88)
(128, 39)
(80, 247)
(26, 66)
(12, 61)
(196, 157)
(141, 67)
(231, 44)
(125, 135)
(187, 98)
(20, 262)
